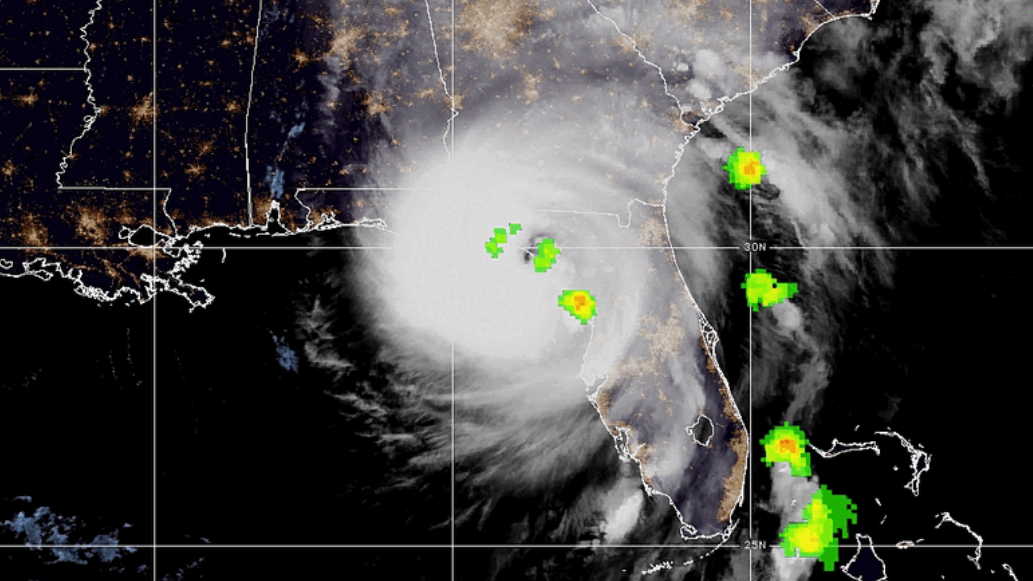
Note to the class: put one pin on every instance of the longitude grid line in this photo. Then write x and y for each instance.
(749, 443)
(749, 429)
(451, 183)
(154, 290)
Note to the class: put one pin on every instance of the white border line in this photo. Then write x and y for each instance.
(88, 120)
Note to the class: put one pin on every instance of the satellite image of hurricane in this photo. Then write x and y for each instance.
(515, 289)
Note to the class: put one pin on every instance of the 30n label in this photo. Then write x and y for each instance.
(755, 246)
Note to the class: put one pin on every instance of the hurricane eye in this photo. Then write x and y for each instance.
(532, 247)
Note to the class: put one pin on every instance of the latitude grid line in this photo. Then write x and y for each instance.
(513, 546)
(208, 248)
(453, 545)
(40, 69)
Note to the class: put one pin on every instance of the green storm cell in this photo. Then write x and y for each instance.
(744, 169)
(787, 443)
(546, 257)
(500, 237)
(824, 517)
(763, 290)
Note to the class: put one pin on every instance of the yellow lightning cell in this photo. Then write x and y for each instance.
(787, 443)
(744, 169)
(826, 515)
(579, 303)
